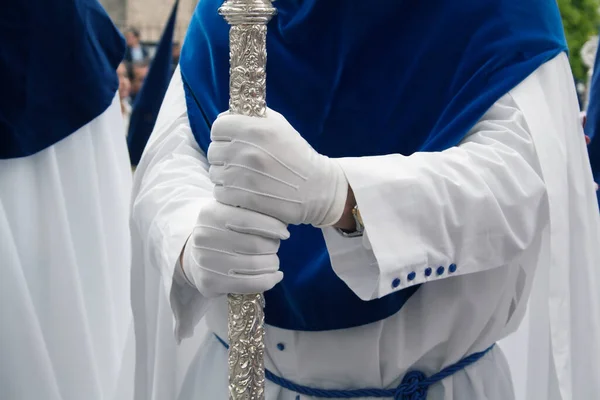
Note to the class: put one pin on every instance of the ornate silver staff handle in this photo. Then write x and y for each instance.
(247, 92)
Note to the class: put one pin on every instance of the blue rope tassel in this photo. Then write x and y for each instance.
(414, 385)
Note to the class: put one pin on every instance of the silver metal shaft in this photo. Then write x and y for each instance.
(247, 93)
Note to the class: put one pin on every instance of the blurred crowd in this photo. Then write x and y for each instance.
(134, 68)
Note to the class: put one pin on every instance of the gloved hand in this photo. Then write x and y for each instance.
(233, 250)
(263, 164)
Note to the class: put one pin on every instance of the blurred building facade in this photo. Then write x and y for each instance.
(150, 16)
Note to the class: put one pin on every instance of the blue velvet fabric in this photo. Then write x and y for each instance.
(148, 101)
(592, 125)
(359, 78)
(58, 62)
(593, 110)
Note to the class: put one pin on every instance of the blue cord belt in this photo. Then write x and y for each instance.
(414, 385)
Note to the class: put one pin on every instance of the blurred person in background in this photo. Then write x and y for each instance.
(139, 71)
(124, 94)
(135, 52)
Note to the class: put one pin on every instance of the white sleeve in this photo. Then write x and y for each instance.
(434, 215)
(170, 186)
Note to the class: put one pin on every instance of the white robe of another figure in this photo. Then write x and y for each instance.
(65, 186)
(65, 253)
(448, 318)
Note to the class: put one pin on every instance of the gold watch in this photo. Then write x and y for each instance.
(359, 227)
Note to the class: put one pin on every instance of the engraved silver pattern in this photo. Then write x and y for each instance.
(246, 347)
(247, 96)
(247, 54)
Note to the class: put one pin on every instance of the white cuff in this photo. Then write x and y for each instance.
(187, 303)
(354, 262)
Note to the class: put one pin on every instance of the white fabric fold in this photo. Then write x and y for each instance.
(65, 315)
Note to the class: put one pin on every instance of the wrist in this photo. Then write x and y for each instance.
(346, 221)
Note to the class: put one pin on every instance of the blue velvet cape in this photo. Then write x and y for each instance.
(58, 62)
(360, 78)
(592, 125)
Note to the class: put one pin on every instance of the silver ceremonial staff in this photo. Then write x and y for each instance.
(247, 92)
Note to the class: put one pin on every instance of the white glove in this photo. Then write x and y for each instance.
(233, 250)
(263, 164)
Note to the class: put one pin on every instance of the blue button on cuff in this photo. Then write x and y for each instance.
(440, 270)
(280, 346)
(452, 268)
(428, 272)
(395, 283)
(411, 276)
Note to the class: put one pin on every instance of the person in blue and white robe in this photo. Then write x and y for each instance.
(65, 185)
(420, 175)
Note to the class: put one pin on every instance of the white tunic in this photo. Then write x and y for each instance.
(496, 206)
(64, 268)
